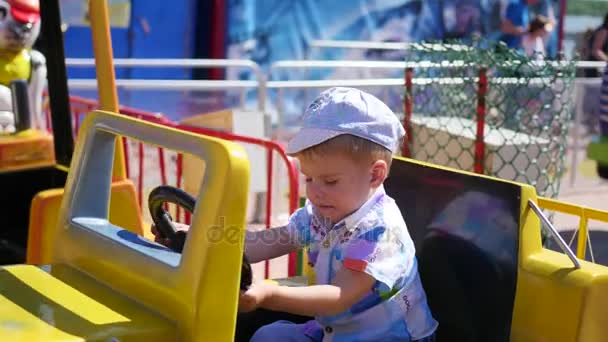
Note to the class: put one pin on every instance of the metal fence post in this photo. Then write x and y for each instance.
(408, 105)
(480, 147)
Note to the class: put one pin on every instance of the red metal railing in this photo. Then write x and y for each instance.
(408, 107)
(480, 146)
(81, 106)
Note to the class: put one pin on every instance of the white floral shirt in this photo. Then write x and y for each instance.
(374, 240)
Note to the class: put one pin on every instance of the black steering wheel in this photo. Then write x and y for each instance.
(164, 223)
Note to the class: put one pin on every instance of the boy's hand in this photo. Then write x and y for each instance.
(165, 241)
(255, 296)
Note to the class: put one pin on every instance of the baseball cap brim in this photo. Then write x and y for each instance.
(309, 137)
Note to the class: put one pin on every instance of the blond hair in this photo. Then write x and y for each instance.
(359, 149)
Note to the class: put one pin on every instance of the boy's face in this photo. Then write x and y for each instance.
(337, 185)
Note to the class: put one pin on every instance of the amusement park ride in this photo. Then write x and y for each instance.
(79, 267)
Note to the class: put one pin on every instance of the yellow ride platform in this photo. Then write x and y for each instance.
(63, 304)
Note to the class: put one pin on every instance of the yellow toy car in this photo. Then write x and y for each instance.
(92, 275)
(478, 243)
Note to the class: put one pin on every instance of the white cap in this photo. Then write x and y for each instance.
(341, 110)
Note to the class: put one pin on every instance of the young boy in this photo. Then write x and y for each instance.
(367, 283)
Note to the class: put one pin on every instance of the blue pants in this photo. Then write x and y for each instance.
(291, 332)
(286, 331)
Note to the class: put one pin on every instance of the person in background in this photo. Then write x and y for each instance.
(597, 47)
(535, 40)
(515, 22)
(598, 50)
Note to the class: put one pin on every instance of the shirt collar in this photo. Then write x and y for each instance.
(351, 220)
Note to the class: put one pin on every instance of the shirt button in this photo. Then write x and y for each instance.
(329, 329)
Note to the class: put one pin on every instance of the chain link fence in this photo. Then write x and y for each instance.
(488, 109)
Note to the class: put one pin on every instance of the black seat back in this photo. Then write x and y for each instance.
(466, 232)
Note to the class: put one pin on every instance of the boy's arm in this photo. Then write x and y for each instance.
(348, 288)
(268, 244)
